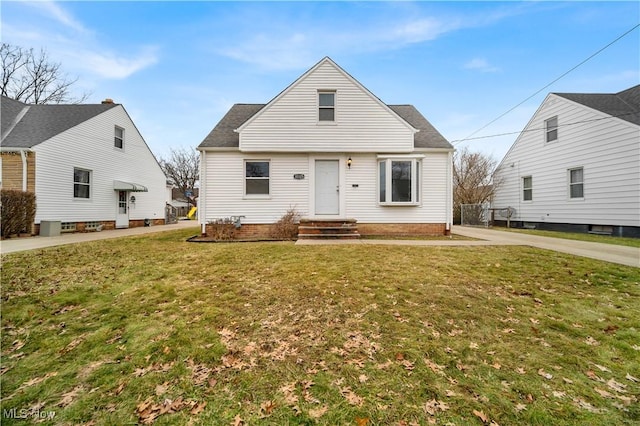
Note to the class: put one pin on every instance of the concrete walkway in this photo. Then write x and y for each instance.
(623, 255)
(31, 243)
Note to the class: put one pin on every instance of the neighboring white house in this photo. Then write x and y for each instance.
(87, 164)
(330, 149)
(576, 166)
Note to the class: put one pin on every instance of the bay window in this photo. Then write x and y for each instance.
(399, 181)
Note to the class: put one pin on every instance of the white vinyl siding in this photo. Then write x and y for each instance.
(605, 146)
(290, 123)
(57, 157)
(224, 176)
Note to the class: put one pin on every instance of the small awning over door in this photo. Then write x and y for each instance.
(119, 185)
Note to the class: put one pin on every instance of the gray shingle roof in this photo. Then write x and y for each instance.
(223, 135)
(28, 125)
(625, 104)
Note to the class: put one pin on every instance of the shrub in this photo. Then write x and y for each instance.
(287, 227)
(18, 212)
(223, 229)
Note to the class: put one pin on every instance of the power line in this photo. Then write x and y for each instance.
(542, 128)
(540, 90)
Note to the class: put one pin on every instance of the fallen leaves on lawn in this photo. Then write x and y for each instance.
(73, 344)
(481, 415)
(69, 397)
(433, 406)
(148, 411)
(544, 374)
(266, 408)
(351, 396)
(156, 368)
(316, 413)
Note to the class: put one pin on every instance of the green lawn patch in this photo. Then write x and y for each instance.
(153, 329)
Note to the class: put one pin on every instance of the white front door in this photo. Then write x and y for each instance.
(122, 212)
(327, 187)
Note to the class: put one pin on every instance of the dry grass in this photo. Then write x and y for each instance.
(153, 329)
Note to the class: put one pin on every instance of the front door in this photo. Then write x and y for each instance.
(327, 187)
(122, 214)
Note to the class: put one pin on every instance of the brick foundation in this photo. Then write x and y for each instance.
(402, 229)
(247, 231)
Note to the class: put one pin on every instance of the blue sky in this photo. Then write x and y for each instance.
(177, 67)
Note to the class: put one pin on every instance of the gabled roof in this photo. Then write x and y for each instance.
(24, 125)
(325, 60)
(224, 135)
(624, 105)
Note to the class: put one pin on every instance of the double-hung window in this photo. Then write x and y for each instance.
(81, 183)
(399, 181)
(551, 129)
(527, 188)
(118, 137)
(327, 106)
(576, 183)
(256, 176)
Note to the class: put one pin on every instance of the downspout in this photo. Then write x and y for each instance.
(203, 190)
(24, 170)
(449, 203)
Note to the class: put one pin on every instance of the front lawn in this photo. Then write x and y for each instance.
(152, 329)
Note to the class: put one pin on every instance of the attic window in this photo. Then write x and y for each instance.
(118, 137)
(326, 106)
(551, 128)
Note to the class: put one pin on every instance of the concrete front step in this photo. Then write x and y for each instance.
(350, 236)
(328, 228)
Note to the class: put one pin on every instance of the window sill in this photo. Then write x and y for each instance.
(398, 204)
(256, 197)
(327, 123)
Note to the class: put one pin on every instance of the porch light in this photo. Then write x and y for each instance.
(349, 161)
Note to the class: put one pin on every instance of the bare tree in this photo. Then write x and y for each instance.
(473, 180)
(32, 78)
(182, 168)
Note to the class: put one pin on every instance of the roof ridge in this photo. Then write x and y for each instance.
(15, 121)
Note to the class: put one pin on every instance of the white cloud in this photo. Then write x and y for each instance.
(480, 64)
(52, 10)
(116, 67)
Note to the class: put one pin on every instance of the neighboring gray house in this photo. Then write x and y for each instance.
(87, 164)
(329, 148)
(576, 166)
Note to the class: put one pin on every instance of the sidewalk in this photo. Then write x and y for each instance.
(30, 243)
(623, 255)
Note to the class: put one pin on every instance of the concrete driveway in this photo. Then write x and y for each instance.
(623, 255)
(31, 243)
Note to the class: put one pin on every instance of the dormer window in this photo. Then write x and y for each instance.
(326, 106)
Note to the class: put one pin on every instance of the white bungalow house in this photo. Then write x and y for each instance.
(87, 164)
(576, 166)
(332, 151)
